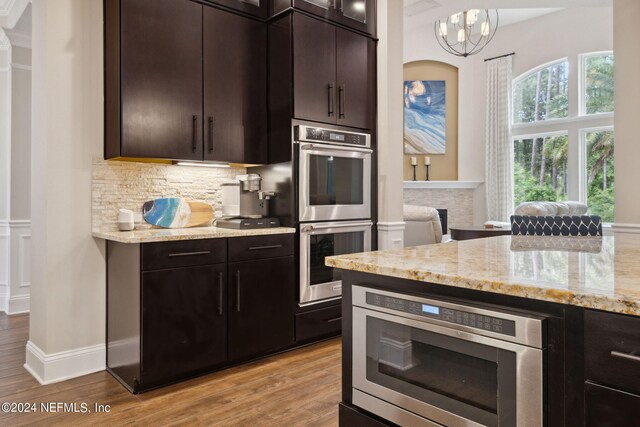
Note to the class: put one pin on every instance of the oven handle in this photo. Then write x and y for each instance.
(335, 148)
(326, 227)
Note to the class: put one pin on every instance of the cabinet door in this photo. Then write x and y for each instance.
(608, 407)
(259, 8)
(235, 88)
(261, 299)
(356, 79)
(358, 14)
(314, 70)
(184, 322)
(161, 66)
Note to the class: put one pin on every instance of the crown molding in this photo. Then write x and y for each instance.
(6, 7)
(4, 41)
(18, 38)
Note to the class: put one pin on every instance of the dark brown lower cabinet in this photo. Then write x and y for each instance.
(184, 322)
(608, 407)
(261, 293)
(179, 309)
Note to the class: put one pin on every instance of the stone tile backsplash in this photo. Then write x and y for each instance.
(127, 185)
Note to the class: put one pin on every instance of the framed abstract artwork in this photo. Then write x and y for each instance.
(425, 117)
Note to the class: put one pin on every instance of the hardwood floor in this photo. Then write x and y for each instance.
(297, 388)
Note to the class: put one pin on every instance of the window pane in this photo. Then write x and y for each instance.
(600, 173)
(542, 95)
(598, 84)
(540, 169)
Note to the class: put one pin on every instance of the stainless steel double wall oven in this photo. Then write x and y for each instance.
(325, 191)
(333, 169)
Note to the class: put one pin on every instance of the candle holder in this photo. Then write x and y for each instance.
(414, 172)
(426, 178)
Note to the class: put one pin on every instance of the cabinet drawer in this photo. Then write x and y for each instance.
(612, 349)
(607, 407)
(187, 253)
(318, 323)
(260, 247)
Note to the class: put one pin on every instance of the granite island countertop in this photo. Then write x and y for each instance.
(150, 235)
(599, 273)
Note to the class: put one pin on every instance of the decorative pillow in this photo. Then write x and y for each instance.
(576, 208)
(524, 225)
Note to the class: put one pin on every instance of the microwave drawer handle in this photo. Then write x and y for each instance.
(626, 356)
(335, 148)
(325, 227)
(190, 253)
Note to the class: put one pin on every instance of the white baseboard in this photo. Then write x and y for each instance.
(55, 367)
(625, 228)
(18, 304)
(390, 235)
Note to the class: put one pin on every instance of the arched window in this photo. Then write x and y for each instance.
(563, 140)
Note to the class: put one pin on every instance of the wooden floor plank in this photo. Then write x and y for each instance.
(296, 388)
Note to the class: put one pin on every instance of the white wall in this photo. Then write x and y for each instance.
(20, 133)
(68, 265)
(627, 80)
(5, 172)
(390, 124)
(566, 33)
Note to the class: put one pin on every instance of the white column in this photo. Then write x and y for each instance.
(626, 33)
(390, 124)
(67, 324)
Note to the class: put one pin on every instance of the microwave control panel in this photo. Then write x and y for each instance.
(432, 311)
(332, 136)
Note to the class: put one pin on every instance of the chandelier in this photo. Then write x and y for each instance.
(467, 33)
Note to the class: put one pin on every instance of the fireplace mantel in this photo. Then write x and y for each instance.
(442, 185)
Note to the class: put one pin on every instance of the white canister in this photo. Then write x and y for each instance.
(125, 220)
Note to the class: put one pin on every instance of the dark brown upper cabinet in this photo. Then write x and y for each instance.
(333, 74)
(235, 88)
(184, 82)
(357, 14)
(259, 8)
(153, 79)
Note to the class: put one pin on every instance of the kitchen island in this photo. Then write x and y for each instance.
(582, 295)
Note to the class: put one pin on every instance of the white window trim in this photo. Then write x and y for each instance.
(531, 72)
(582, 84)
(582, 123)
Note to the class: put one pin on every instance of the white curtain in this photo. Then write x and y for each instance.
(499, 153)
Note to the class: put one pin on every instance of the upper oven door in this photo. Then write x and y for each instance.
(334, 182)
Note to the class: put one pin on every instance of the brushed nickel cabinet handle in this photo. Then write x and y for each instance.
(220, 295)
(190, 253)
(331, 100)
(626, 356)
(335, 319)
(259, 248)
(238, 291)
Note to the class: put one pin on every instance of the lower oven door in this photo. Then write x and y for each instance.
(444, 375)
(320, 240)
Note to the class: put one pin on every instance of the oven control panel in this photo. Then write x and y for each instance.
(455, 316)
(332, 136)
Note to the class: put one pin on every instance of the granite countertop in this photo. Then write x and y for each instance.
(599, 273)
(168, 235)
